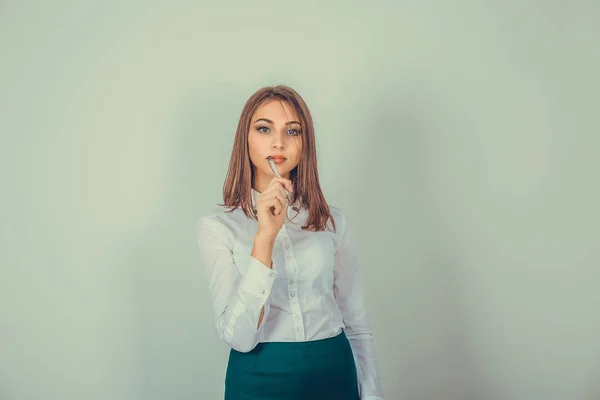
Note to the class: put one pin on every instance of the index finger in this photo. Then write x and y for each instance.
(287, 184)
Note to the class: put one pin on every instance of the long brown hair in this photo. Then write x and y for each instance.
(305, 177)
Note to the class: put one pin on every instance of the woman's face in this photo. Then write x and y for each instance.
(274, 131)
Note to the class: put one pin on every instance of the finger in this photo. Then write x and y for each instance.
(280, 200)
(280, 194)
(276, 188)
(280, 197)
(276, 204)
(286, 183)
(274, 199)
(272, 191)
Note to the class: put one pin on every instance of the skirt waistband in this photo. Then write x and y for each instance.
(340, 337)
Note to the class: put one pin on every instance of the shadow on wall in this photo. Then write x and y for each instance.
(595, 391)
(427, 343)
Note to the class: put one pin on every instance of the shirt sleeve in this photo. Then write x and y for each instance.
(237, 300)
(349, 294)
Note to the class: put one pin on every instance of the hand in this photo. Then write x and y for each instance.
(271, 207)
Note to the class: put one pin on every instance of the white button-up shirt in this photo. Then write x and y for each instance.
(313, 291)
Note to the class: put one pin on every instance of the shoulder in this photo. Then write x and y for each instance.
(336, 210)
(219, 221)
(344, 233)
(222, 215)
(340, 218)
(211, 218)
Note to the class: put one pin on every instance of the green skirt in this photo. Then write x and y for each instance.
(315, 370)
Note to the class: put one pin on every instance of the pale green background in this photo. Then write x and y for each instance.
(461, 138)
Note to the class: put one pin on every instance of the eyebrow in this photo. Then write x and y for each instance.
(270, 122)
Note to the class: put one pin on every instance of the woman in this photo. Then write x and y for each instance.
(286, 288)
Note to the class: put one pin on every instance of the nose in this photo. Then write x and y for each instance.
(277, 140)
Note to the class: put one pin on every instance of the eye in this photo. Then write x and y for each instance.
(290, 132)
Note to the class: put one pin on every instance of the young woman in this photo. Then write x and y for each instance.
(286, 287)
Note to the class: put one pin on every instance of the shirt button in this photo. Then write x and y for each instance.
(292, 282)
(289, 257)
(287, 246)
(298, 329)
(272, 274)
(297, 317)
(292, 294)
(264, 292)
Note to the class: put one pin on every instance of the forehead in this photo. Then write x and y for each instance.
(276, 111)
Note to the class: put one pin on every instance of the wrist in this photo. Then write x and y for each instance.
(263, 249)
(265, 238)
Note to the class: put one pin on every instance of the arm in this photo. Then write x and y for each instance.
(263, 251)
(349, 294)
(239, 302)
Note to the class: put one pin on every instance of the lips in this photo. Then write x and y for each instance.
(278, 158)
